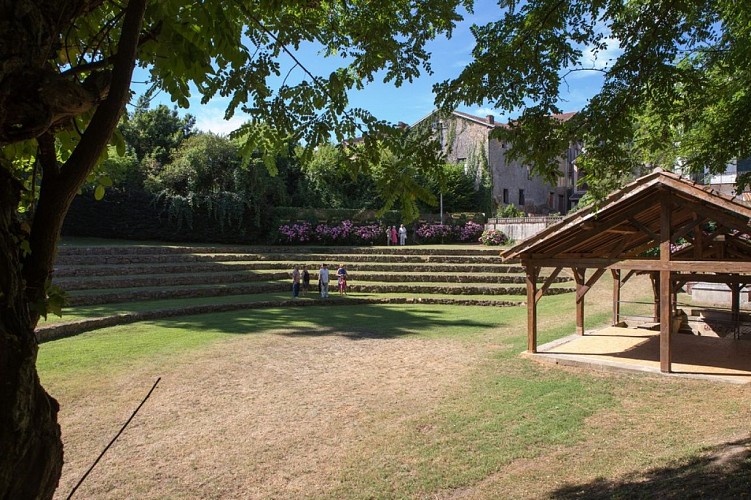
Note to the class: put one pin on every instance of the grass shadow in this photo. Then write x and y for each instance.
(723, 472)
(352, 321)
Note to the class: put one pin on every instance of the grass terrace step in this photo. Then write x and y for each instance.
(146, 281)
(151, 280)
(99, 296)
(449, 289)
(116, 308)
(71, 250)
(124, 259)
(66, 271)
(162, 280)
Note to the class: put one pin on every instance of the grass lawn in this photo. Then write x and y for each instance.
(384, 401)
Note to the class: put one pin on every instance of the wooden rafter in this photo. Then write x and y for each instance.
(548, 281)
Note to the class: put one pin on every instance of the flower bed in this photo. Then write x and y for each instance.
(347, 233)
(445, 233)
(493, 237)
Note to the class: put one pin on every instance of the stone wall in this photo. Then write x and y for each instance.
(463, 137)
(521, 228)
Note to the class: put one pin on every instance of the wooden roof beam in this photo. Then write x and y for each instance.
(739, 223)
(646, 230)
(701, 266)
(595, 229)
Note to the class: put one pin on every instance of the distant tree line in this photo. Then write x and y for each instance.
(186, 174)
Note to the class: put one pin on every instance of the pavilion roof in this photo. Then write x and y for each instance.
(626, 224)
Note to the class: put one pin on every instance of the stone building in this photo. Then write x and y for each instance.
(466, 139)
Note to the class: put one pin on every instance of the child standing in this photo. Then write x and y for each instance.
(342, 274)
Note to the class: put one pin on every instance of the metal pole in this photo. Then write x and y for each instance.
(441, 208)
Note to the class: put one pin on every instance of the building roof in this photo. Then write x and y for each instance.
(489, 120)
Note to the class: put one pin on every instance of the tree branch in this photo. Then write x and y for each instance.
(104, 121)
(55, 198)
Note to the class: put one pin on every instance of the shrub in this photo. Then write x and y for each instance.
(509, 211)
(368, 234)
(347, 233)
(470, 231)
(341, 234)
(493, 237)
(296, 233)
(435, 233)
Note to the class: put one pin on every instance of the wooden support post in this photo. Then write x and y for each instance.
(735, 307)
(666, 321)
(654, 277)
(698, 242)
(579, 277)
(532, 273)
(666, 285)
(616, 295)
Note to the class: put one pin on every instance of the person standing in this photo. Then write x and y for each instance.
(393, 235)
(323, 280)
(305, 279)
(388, 236)
(295, 281)
(402, 235)
(342, 275)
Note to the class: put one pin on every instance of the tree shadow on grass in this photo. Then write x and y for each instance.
(352, 321)
(723, 472)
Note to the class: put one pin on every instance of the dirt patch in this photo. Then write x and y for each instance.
(272, 415)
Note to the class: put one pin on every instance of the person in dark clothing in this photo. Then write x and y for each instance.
(305, 279)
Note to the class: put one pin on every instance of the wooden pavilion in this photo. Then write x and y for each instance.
(661, 224)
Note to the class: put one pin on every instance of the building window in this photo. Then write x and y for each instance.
(551, 199)
(505, 196)
(521, 197)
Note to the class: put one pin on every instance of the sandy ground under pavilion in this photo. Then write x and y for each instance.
(636, 349)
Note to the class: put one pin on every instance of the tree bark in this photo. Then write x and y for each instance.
(31, 449)
(32, 452)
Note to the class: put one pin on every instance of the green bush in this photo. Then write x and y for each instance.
(509, 211)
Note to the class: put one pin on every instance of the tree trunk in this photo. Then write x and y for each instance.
(32, 451)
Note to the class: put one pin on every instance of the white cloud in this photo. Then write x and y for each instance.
(603, 58)
(211, 119)
(485, 112)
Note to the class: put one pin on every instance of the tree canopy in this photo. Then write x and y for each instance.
(155, 132)
(677, 94)
(65, 75)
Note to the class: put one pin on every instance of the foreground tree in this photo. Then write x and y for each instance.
(65, 73)
(677, 92)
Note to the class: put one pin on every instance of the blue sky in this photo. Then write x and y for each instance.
(411, 101)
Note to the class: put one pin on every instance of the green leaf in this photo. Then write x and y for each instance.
(99, 193)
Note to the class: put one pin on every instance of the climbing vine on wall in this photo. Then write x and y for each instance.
(478, 169)
(226, 209)
(451, 136)
(477, 166)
